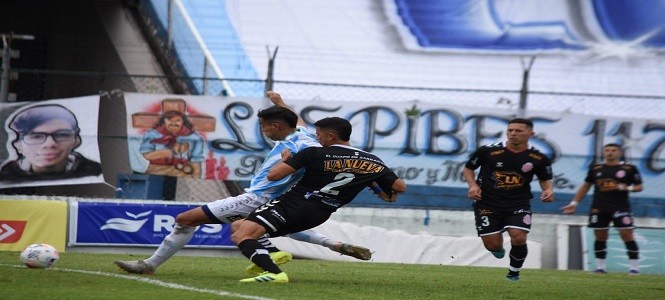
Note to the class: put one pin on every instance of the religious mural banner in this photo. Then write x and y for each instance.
(51, 142)
(168, 135)
(424, 143)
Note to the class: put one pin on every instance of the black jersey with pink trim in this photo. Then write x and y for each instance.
(505, 176)
(605, 180)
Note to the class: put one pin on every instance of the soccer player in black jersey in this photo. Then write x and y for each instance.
(334, 175)
(502, 191)
(612, 180)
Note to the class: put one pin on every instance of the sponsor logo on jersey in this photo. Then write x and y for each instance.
(484, 211)
(620, 174)
(497, 152)
(507, 180)
(499, 164)
(606, 184)
(358, 166)
(536, 156)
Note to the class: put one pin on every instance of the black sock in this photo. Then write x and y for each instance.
(265, 242)
(633, 251)
(518, 255)
(601, 249)
(253, 250)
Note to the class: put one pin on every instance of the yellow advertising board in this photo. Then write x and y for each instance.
(25, 222)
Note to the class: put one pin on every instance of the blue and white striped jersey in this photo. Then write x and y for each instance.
(260, 185)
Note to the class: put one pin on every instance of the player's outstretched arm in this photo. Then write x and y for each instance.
(579, 195)
(276, 99)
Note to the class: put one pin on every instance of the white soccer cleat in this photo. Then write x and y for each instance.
(135, 267)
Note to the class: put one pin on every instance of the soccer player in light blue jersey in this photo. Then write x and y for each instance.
(280, 124)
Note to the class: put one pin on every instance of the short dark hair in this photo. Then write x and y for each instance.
(524, 121)
(341, 126)
(613, 145)
(276, 113)
(29, 118)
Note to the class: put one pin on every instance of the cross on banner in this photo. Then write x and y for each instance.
(201, 122)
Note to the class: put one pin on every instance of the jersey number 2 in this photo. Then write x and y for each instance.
(340, 180)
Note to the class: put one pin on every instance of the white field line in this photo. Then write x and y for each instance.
(152, 281)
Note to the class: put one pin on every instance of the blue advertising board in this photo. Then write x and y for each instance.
(137, 224)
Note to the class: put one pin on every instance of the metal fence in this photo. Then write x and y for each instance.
(35, 85)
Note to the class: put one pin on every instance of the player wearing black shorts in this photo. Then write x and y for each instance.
(334, 175)
(612, 180)
(502, 191)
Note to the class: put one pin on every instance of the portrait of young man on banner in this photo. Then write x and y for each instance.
(47, 144)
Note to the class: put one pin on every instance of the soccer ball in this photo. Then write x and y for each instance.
(39, 256)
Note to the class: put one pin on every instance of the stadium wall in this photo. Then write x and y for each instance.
(461, 224)
(433, 236)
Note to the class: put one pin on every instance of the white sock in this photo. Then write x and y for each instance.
(634, 264)
(600, 263)
(313, 237)
(178, 238)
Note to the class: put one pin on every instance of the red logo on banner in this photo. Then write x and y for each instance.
(11, 231)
